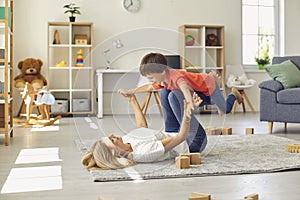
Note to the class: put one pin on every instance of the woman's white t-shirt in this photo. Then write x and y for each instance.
(147, 146)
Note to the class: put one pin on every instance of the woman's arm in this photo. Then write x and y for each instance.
(172, 142)
(186, 118)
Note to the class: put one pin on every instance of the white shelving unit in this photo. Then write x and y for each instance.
(71, 83)
(202, 56)
(6, 67)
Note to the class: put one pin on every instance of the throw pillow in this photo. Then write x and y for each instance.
(286, 73)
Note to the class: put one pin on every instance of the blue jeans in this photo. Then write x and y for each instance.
(172, 106)
(217, 98)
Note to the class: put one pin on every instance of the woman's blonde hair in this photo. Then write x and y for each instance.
(100, 156)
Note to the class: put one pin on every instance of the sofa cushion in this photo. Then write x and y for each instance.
(280, 59)
(286, 73)
(289, 96)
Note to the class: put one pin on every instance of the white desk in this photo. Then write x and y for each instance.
(109, 79)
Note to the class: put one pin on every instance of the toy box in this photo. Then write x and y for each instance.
(60, 105)
(81, 105)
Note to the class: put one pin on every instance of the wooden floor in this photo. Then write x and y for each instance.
(77, 183)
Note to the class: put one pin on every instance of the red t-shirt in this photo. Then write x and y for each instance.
(198, 82)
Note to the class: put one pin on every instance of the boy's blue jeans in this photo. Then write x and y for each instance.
(172, 106)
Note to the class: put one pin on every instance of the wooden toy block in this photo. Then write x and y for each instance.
(293, 148)
(251, 197)
(80, 39)
(195, 158)
(249, 131)
(182, 162)
(199, 196)
(213, 131)
(226, 131)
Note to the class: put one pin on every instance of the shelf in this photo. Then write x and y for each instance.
(6, 98)
(59, 45)
(75, 82)
(194, 47)
(73, 68)
(81, 46)
(2, 101)
(205, 55)
(69, 23)
(70, 45)
(59, 90)
(214, 47)
(81, 90)
(10, 129)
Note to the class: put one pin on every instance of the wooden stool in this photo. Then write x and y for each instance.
(243, 93)
(147, 100)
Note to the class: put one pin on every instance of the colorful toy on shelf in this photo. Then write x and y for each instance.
(189, 40)
(79, 59)
(61, 64)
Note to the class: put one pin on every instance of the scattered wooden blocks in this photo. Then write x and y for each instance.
(226, 131)
(293, 148)
(213, 131)
(185, 160)
(218, 131)
(182, 162)
(199, 196)
(249, 131)
(195, 158)
(251, 197)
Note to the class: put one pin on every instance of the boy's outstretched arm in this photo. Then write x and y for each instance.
(184, 87)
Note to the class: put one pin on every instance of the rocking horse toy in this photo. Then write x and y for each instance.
(42, 99)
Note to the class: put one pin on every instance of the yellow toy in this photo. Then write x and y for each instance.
(61, 64)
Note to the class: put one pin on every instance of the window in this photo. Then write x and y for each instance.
(259, 29)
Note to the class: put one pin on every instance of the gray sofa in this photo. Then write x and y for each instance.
(278, 104)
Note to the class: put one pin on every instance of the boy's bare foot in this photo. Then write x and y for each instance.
(238, 95)
(216, 76)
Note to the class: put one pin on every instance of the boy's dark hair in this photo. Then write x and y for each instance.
(153, 63)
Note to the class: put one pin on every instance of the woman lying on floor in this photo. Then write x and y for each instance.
(143, 144)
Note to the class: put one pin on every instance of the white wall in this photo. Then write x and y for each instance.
(110, 19)
(292, 28)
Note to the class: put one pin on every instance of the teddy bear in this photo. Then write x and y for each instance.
(30, 72)
(211, 40)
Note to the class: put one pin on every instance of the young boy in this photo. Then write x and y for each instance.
(178, 85)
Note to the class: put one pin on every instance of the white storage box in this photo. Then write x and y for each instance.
(81, 105)
(60, 105)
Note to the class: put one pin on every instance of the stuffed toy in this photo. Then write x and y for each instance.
(30, 72)
(211, 40)
(233, 81)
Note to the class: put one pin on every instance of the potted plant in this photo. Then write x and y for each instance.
(73, 9)
(263, 59)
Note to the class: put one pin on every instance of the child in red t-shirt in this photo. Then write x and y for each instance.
(178, 85)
